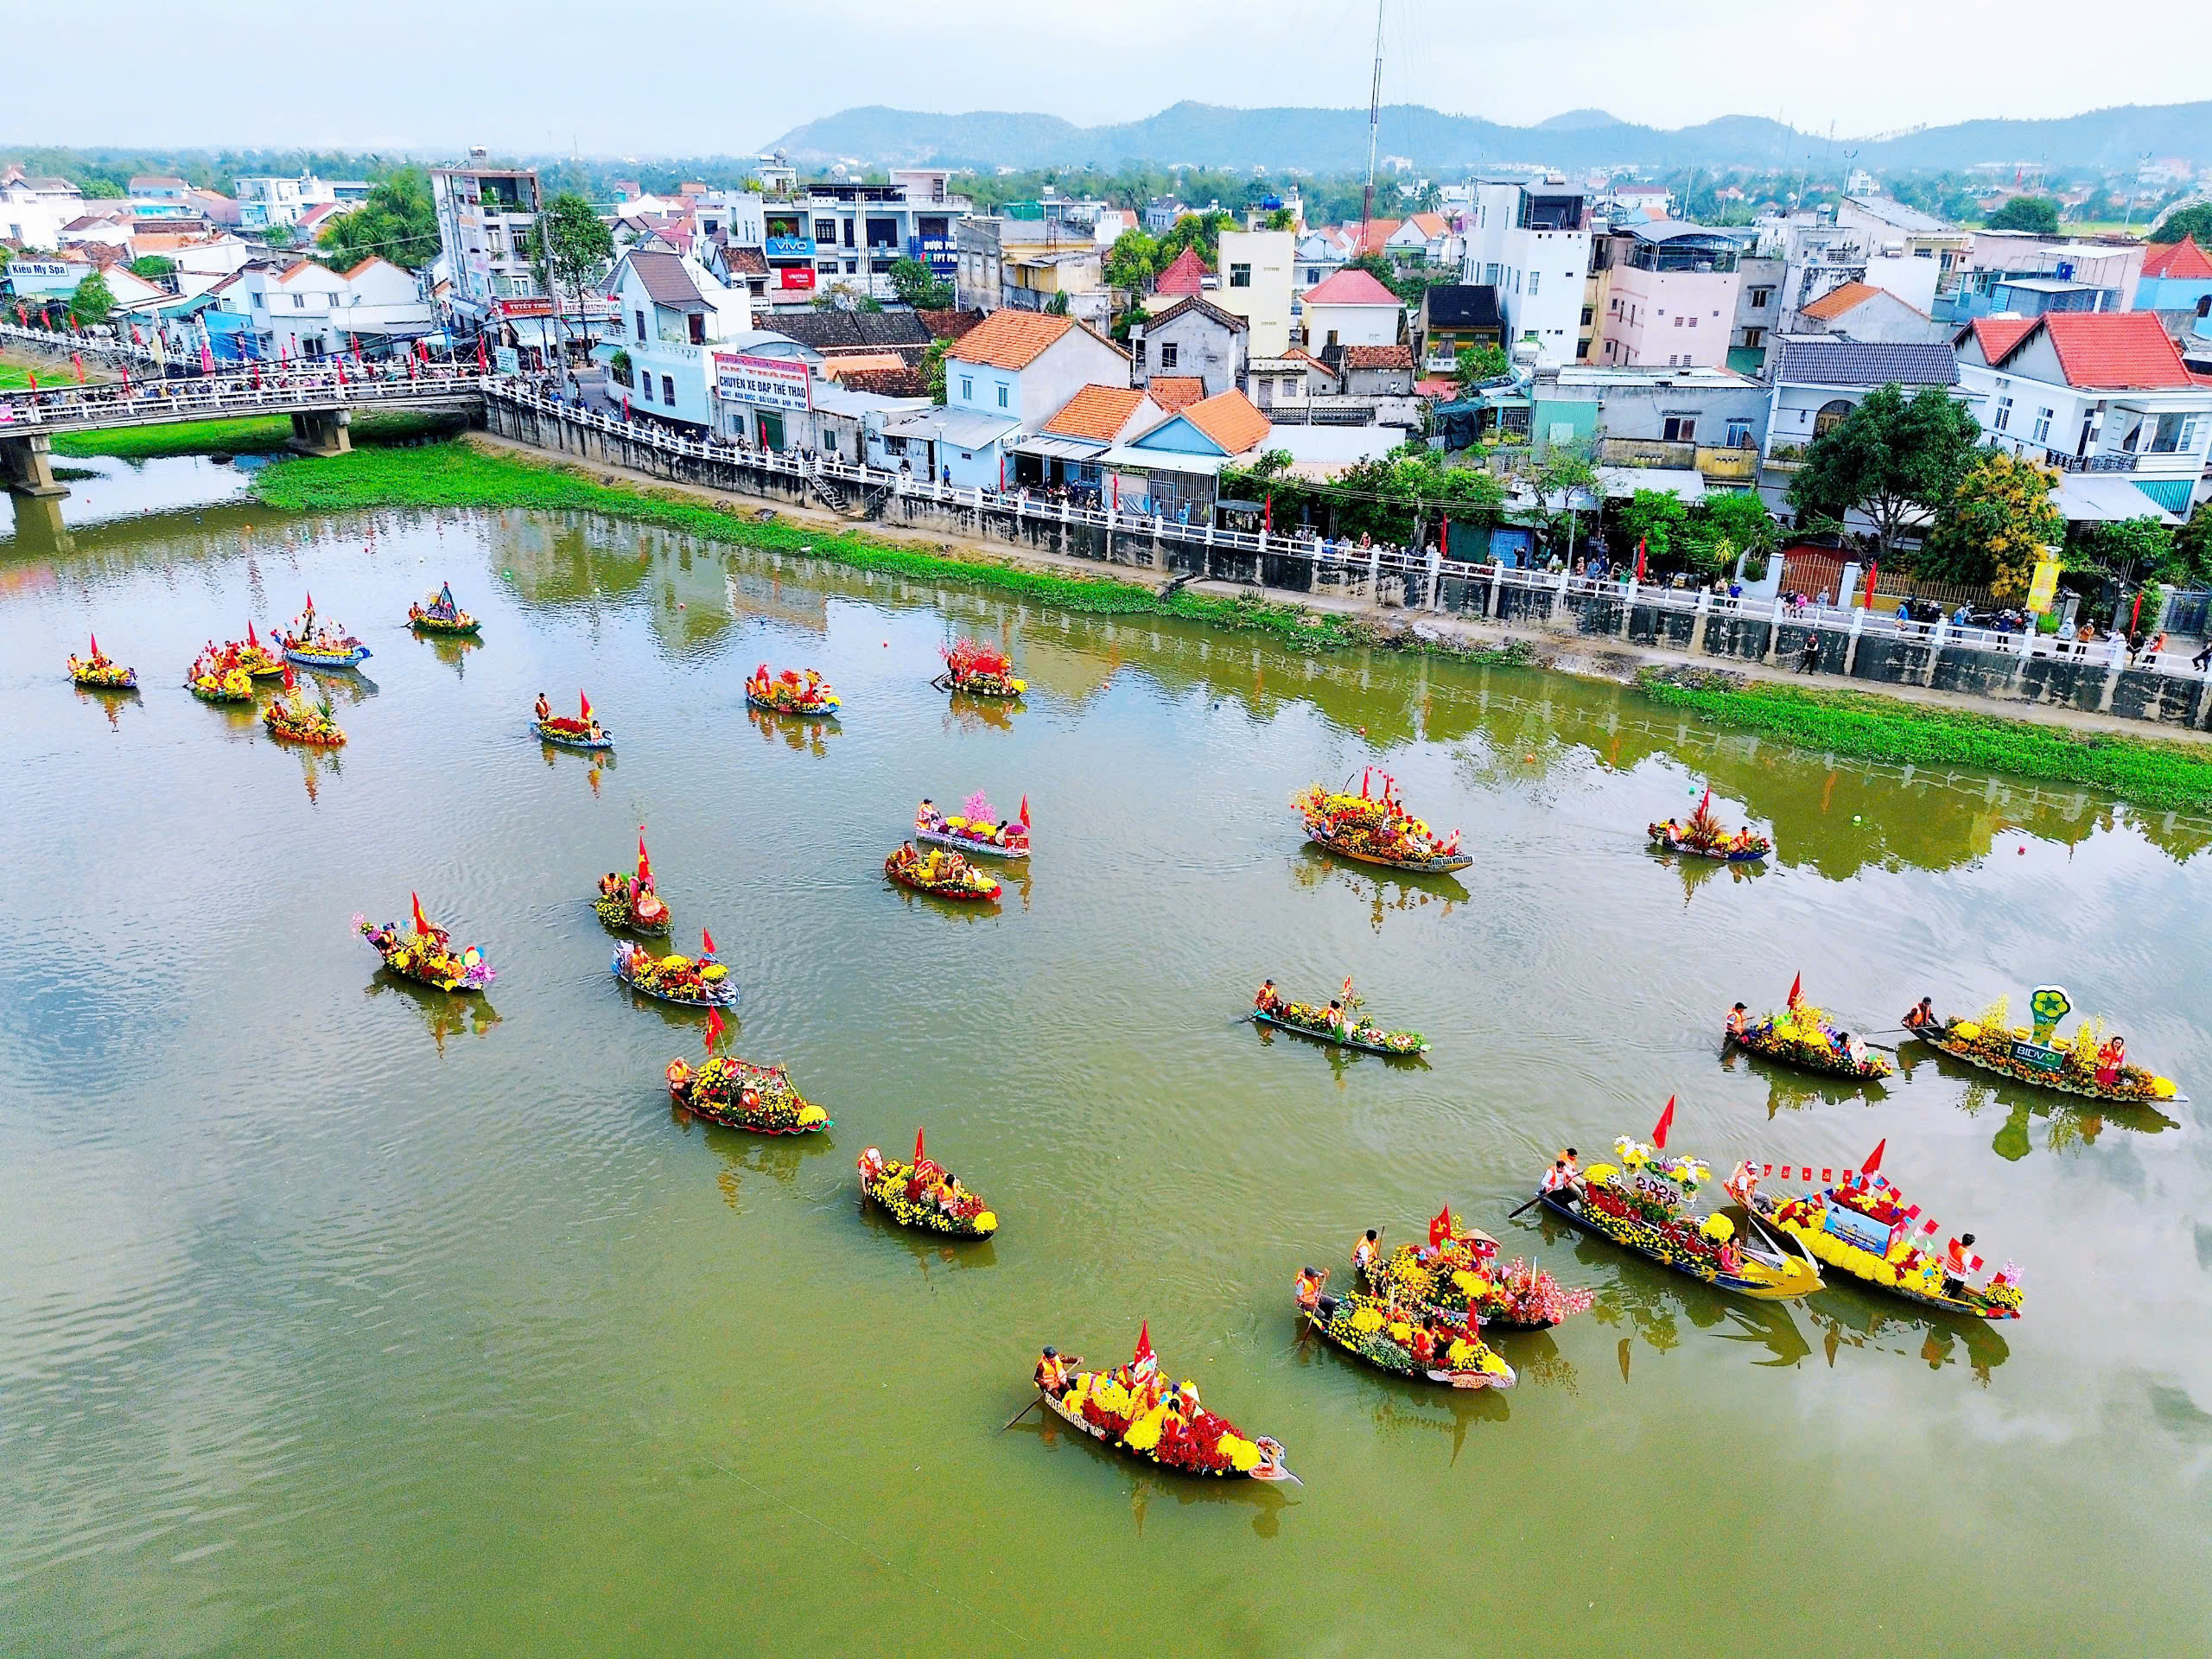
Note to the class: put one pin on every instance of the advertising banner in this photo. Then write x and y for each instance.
(763, 382)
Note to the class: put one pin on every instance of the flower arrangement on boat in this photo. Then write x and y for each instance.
(1802, 1034)
(1412, 1342)
(790, 692)
(425, 953)
(225, 673)
(976, 828)
(2092, 1061)
(1862, 1226)
(583, 731)
(1376, 827)
(980, 671)
(1131, 1408)
(1458, 1269)
(438, 614)
(101, 672)
(924, 1194)
(1703, 836)
(318, 644)
(742, 1096)
(1341, 1021)
(634, 901)
(298, 721)
(947, 876)
(219, 685)
(699, 981)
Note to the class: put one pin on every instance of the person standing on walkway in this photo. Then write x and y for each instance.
(1809, 654)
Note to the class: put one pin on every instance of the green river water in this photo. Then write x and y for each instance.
(336, 1315)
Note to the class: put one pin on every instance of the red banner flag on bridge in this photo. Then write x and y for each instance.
(34, 375)
(1639, 558)
(1666, 1122)
(480, 363)
(78, 357)
(207, 360)
(1871, 570)
(1267, 513)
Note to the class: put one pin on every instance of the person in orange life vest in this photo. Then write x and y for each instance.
(1267, 1000)
(926, 817)
(1307, 1289)
(1954, 1264)
(1737, 1023)
(1559, 1183)
(871, 1167)
(1054, 1373)
(1362, 1252)
(679, 1076)
(1923, 1013)
(542, 708)
(2110, 1059)
(1424, 1346)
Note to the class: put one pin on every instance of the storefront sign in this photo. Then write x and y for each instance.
(2036, 1057)
(940, 253)
(764, 381)
(540, 306)
(2042, 587)
(506, 359)
(788, 247)
(795, 277)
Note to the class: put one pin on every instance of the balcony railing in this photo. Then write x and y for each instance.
(1733, 462)
(1647, 451)
(2065, 463)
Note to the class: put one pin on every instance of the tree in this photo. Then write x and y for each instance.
(916, 285)
(397, 222)
(152, 267)
(2127, 550)
(933, 368)
(94, 301)
(1200, 230)
(101, 190)
(1281, 219)
(1472, 364)
(1995, 523)
(1728, 523)
(2196, 220)
(2192, 562)
(1565, 469)
(1892, 458)
(1655, 519)
(2037, 213)
(572, 247)
(1131, 262)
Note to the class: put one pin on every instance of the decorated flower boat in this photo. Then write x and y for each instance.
(296, 722)
(252, 655)
(691, 982)
(312, 645)
(942, 875)
(425, 953)
(977, 828)
(791, 692)
(219, 685)
(1410, 1344)
(1341, 1023)
(1862, 1226)
(1645, 1207)
(1132, 1411)
(1377, 829)
(438, 614)
(1803, 1036)
(1705, 837)
(634, 902)
(741, 1096)
(924, 1195)
(99, 673)
(1457, 1269)
(583, 731)
(2090, 1061)
(979, 671)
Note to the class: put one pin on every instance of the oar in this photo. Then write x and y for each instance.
(1531, 1204)
(1024, 1412)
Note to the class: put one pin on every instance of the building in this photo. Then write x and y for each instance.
(1007, 376)
(307, 310)
(486, 216)
(1257, 272)
(269, 203)
(1375, 370)
(1170, 471)
(1352, 308)
(34, 208)
(1283, 383)
(1014, 259)
(1814, 380)
(673, 316)
(1685, 430)
(1529, 239)
(1884, 224)
(1186, 275)
(850, 234)
(1860, 311)
(158, 196)
(1672, 299)
(2007, 270)
(1759, 310)
(1194, 339)
(2092, 392)
(1068, 449)
(1455, 317)
(2177, 284)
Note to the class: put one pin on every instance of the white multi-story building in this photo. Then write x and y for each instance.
(32, 210)
(1255, 285)
(1529, 239)
(266, 203)
(308, 310)
(671, 313)
(485, 215)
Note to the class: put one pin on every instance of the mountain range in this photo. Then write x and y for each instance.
(1335, 141)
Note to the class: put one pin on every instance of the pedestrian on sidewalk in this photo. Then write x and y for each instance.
(2202, 657)
(1809, 654)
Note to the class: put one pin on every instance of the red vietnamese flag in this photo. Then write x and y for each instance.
(1796, 990)
(918, 1155)
(1705, 803)
(1639, 558)
(645, 863)
(713, 1028)
(584, 702)
(96, 645)
(1666, 1122)
(78, 360)
(416, 904)
(1144, 1344)
(1025, 811)
(1868, 604)
(481, 364)
(709, 942)
(250, 639)
(310, 604)
(1440, 1229)
(291, 684)
(1874, 1158)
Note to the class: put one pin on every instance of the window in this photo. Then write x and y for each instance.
(299, 301)
(668, 389)
(1614, 306)
(1831, 416)
(2040, 432)
(641, 327)
(1692, 322)
(645, 387)
(2176, 434)
(1003, 390)
(1739, 433)
(1754, 337)
(1678, 323)
(1240, 276)
(967, 389)
(1679, 429)
(825, 229)
(1761, 297)
(2003, 420)
(1589, 314)
(698, 326)
(1535, 278)
(1489, 274)
(1166, 353)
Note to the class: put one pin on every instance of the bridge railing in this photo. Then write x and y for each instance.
(71, 408)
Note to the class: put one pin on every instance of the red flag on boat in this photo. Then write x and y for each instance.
(421, 926)
(1025, 811)
(310, 601)
(1666, 1122)
(584, 702)
(707, 942)
(291, 684)
(250, 639)
(1364, 773)
(1440, 1229)
(96, 645)
(1144, 1354)
(645, 863)
(1796, 990)
(1874, 1158)
(713, 1028)
(919, 1153)
(1705, 803)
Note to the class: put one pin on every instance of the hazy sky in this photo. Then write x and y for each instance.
(725, 76)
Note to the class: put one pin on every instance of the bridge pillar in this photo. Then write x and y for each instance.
(322, 431)
(27, 465)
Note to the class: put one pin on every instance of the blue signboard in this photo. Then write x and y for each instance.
(788, 247)
(940, 253)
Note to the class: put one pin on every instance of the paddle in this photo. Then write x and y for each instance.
(1024, 1412)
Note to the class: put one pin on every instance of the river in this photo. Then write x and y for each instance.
(338, 1316)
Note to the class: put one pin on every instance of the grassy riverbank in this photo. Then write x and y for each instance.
(256, 435)
(2147, 771)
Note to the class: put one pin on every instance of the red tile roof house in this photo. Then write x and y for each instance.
(2177, 281)
(2092, 391)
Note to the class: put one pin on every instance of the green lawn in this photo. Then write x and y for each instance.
(254, 435)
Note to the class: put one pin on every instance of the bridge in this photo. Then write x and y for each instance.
(321, 398)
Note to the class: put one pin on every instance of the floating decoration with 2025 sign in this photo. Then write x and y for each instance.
(2092, 1061)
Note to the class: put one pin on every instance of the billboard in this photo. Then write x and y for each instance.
(764, 381)
(795, 277)
(940, 253)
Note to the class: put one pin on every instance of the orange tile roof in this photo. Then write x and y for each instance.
(2182, 259)
(1231, 420)
(1378, 232)
(1097, 412)
(1176, 391)
(839, 364)
(1187, 275)
(1998, 335)
(1008, 338)
(2115, 349)
(1428, 224)
(1837, 301)
(1378, 357)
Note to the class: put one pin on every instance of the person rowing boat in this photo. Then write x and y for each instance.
(1055, 1372)
(1923, 1013)
(1267, 1000)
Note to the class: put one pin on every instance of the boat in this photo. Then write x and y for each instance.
(975, 828)
(1126, 1408)
(689, 983)
(790, 692)
(2091, 1062)
(943, 875)
(296, 722)
(1376, 828)
(228, 685)
(1644, 1208)
(634, 901)
(1457, 1269)
(741, 1096)
(98, 673)
(252, 655)
(1341, 1023)
(1705, 837)
(1363, 1326)
(313, 647)
(909, 1193)
(1861, 1226)
(979, 671)
(424, 953)
(438, 614)
(1803, 1036)
(582, 733)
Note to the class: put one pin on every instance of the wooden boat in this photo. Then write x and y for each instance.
(979, 671)
(1646, 1211)
(292, 725)
(257, 660)
(1459, 1267)
(97, 672)
(441, 615)
(1798, 1036)
(1442, 864)
(959, 843)
(741, 1096)
(426, 955)
(1377, 830)
(687, 984)
(787, 693)
(889, 1190)
(956, 830)
(1759, 848)
(1866, 1232)
(1099, 1403)
(350, 655)
(1360, 1324)
(237, 686)
(1350, 1038)
(616, 911)
(966, 885)
(1704, 837)
(2013, 1052)
(573, 734)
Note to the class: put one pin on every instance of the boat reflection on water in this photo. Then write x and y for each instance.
(1850, 1318)
(444, 1013)
(1146, 1484)
(778, 1157)
(2072, 1121)
(1341, 1059)
(314, 760)
(964, 711)
(1695, 872)
(1385, 892)
(350, 688)
(1649, 1299)
(1788, 1090)
(597, 762)
(929, 1249)
(802, 733)
(109, 699)
(451, 649)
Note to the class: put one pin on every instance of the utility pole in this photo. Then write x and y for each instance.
(1374, 123)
